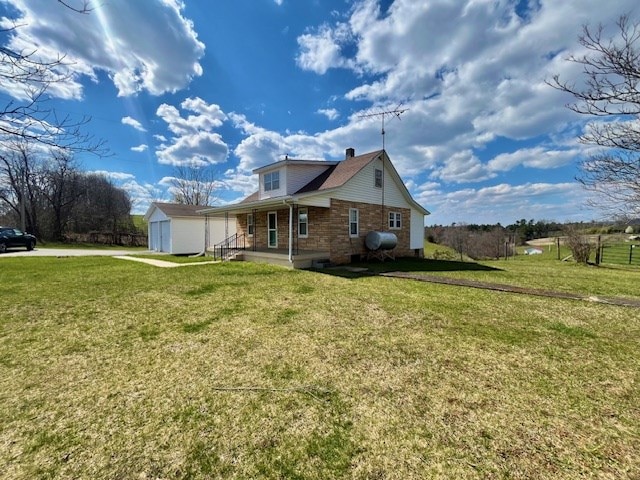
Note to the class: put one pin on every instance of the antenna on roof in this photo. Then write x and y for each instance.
(396, 112)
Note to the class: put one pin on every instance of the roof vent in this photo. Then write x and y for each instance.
(350, 153)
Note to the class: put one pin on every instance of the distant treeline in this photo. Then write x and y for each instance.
(50, 197)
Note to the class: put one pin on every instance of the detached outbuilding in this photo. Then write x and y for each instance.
(180, 229)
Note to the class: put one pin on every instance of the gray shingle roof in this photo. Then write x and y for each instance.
(179, 210)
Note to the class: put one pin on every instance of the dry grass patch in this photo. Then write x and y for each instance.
(251, 371)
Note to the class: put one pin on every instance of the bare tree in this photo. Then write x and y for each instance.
(20, 184)
(29, 116)
(60, 188)
(579, 244)
(611, 72)
(193, 185)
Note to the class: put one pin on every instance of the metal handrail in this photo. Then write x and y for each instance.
(229, 246)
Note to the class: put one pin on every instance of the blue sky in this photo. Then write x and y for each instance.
(237, 84)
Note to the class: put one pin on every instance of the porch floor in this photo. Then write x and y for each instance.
(280, 256)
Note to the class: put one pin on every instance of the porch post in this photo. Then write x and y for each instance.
(206, 233)
(291, 233)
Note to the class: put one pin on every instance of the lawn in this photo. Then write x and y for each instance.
(116, 370)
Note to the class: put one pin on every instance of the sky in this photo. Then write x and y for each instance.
(237, 84)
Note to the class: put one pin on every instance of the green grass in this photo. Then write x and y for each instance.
(532, 271)
(114, 369)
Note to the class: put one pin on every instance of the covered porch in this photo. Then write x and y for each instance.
(276, 232)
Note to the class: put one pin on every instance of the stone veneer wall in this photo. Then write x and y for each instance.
(344, 247)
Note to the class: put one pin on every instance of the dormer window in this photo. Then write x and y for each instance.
(272, 181)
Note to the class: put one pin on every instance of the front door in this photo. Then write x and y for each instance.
(272, 227)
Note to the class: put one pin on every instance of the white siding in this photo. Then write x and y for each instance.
(274, 193)
(416, 235)
(157, 216)
(187, 235)
(217, 229)
(299, 175)
(361, 188)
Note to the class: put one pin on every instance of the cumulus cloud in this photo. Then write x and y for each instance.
(504, 203)
(322, 49)
(330, 113)
(194, 142)
(142, 46)
(140, 148)
(132, 122)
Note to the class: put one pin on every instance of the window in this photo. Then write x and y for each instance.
(303, 223)
(353, 222)
(395, 220)
(272, 181)
(250, 226)
(378, 178)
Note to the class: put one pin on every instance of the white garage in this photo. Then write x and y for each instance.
(180, 229)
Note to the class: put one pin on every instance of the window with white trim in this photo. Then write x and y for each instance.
(303, 223)
(395, 220)
(378, 178)
(354, 217)
(272, 181)
(250, 224)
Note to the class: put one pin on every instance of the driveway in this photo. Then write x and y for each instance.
(70, 252)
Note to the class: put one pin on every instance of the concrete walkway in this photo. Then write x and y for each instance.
(163, 263)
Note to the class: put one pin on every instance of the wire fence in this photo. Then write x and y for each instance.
(621, 254)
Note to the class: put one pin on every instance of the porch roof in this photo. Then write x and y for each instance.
(247, 207)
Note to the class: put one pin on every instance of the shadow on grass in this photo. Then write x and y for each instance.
(363, 269)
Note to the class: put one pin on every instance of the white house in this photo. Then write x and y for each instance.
(181, 229)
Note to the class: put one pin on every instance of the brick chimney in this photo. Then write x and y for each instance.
(350, 153)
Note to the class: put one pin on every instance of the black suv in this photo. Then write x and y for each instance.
(12, 237)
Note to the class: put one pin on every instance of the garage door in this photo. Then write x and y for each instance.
(165, 236)
(154, 236)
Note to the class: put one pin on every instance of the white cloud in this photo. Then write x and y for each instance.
(330, 113)
(194, 142)
(198, 149)
(505, 203)
(537, 157)
(132, 122)
(321, 50)
(140, 148)
(142, 46)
